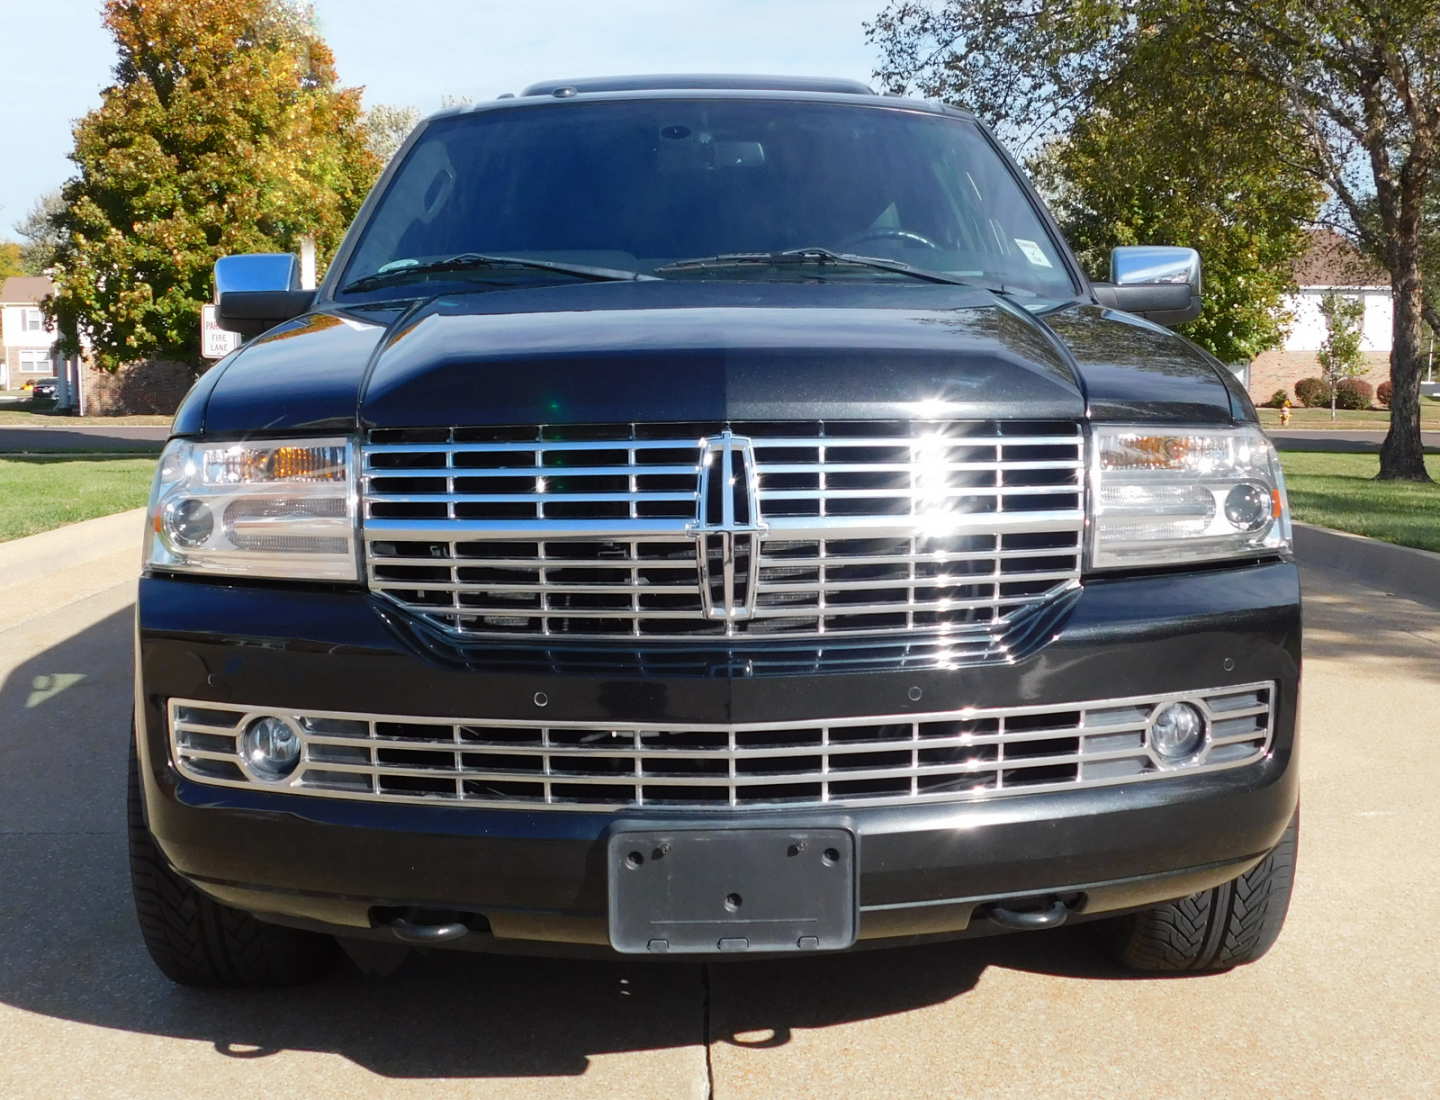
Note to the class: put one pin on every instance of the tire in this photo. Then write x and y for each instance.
(1227, 926)
(197, 941)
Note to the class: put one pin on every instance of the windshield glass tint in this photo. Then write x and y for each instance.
(636, 185)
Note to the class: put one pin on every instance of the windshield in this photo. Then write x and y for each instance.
(638, 186)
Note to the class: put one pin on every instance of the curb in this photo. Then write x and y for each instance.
(36, 556)
(1399, 570)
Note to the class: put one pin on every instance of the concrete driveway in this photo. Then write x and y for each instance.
(1346, 1004)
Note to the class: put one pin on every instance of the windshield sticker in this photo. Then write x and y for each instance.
(1032, 253)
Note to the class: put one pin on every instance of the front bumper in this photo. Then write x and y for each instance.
(535, 879)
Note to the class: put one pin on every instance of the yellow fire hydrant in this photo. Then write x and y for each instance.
(1285, 414)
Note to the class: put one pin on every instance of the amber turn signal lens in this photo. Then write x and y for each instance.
(305, 463)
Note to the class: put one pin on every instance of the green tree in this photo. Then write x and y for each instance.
(1122, 177)
(42, 232)
(1357, 81)
(10, 260)
(224, 132)
(1339, 356)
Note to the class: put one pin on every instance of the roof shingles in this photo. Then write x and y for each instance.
(25, 289)
(1331, 260)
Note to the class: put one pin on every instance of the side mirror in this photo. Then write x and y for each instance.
(1156, 281)
(256, 292)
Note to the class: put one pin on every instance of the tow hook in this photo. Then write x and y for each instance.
(417, 932)
(1053, 915)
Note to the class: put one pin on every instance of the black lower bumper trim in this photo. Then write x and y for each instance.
(538, 878)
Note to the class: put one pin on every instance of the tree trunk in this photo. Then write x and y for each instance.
(1402, 455)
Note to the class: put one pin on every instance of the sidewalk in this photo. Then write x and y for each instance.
(41, 573)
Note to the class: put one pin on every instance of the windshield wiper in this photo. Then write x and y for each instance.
(795, 257)
(477, 261)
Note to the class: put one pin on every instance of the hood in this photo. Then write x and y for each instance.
(687, 353)
(695, 351)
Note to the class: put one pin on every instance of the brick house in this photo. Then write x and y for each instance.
(1329, 264)
(152, 387)
(25, 342)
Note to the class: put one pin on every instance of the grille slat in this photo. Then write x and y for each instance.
(552, 588)
(912, 494)
(905, 467)
(526, 472)
(524, 498)
(967, 754)
(908, 524)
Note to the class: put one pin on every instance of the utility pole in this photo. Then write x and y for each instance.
(307, 263)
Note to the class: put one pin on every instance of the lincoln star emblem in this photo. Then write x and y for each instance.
(728, 527)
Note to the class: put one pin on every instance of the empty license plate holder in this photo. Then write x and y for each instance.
(739, 890)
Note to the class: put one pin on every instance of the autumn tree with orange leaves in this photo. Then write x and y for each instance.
(224, 131)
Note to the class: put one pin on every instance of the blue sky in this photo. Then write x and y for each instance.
(55, 57)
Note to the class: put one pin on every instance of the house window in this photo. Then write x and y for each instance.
(35, 361)
(34, 321)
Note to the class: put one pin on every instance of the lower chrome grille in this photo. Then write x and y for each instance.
(974, 753)
(689, 531)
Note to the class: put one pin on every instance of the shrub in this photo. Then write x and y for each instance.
(1278, 399)
(1354, 393)
(1313, 393)
(1382, 393)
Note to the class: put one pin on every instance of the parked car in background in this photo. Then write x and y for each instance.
(711, 515)
(44, 388)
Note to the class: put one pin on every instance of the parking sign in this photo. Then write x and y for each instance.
(215, 342)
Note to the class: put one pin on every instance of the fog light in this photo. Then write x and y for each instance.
(270, 748)
(1176, 731)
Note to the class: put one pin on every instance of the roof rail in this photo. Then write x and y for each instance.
(680, 81)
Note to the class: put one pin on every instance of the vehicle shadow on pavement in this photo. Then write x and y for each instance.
(73, 952)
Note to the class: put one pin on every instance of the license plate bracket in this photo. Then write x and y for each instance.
(738, 890)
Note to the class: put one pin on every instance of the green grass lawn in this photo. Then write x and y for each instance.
(1339, 491)
(1367, 419)
(37, 494)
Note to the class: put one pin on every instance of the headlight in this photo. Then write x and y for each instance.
(271, 508)
(1193, 494)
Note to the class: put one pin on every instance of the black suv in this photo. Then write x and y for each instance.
(711, 515)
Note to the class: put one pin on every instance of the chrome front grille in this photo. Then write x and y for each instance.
(974, 753)
(665, 531)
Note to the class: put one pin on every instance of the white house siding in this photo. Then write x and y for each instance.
(26, 351)
(1307, 330)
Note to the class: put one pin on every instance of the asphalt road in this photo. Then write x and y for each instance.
(1345, 1005)
(103, 437)
(1300, 439)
